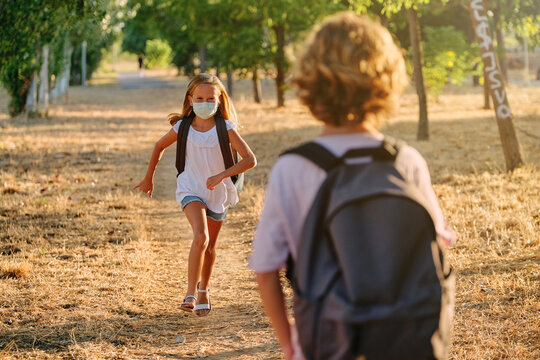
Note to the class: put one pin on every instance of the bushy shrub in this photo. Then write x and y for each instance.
(157, 53)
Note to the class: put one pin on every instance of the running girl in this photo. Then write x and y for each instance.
(204, 187)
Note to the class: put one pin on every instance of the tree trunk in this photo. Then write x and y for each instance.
(501, 49)
(510, 144)
(279, 61)
(115, 47)
(256, 86)
(486, 90)
(83, 64)
(62, 81)
(190, 67)
(230, 82)
(202, 59)
(218, 70)
(526, 59)
(43, 97)
(31, 96)
(414, 31)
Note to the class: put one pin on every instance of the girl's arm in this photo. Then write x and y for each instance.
(147, 184)
(248, 160)
(274, 305)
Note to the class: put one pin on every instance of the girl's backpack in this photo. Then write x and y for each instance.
(230, 156)
(370, 278)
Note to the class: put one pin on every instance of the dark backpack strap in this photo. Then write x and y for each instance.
(181, 140)
(388, 151)
(324, 159)
(224, 144)
(318, 154)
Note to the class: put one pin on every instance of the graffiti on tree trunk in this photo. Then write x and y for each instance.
(494, 79)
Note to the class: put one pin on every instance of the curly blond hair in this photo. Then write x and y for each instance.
(350, 72)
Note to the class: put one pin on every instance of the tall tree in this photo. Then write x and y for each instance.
(416, 42)
(520, 17)
(510, 143)
(498, 20)
(390, 8)
(240, 43)
(286, 21)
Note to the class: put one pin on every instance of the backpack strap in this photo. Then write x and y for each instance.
(387, 152)
(183, 130)
(223, 137)
(323, 158)
(224, 144)
(318, 154)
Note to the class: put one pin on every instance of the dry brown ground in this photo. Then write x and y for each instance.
(90, 269)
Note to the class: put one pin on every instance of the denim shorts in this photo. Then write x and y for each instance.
(209, 213)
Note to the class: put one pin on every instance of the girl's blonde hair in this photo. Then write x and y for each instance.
(351, 71)
(225, 108)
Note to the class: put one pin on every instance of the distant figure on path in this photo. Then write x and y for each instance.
(207, 180)
(141, 64)
(350, 77)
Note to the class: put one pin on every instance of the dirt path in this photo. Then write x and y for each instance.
(235, 328)
(132, 80)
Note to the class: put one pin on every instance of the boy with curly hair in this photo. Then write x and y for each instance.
(350, 77)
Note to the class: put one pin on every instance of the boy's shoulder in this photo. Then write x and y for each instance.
(409, 160)
(409, 155)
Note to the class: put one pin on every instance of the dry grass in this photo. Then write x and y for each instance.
(14, 270)
(105, 268)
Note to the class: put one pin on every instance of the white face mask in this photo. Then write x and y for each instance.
(205, 110)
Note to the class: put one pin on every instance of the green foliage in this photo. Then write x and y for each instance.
(237, 35)
(99, 29)
(26, 27)
(16, 77)
(448, 57)
(30, 24)
(145, 25)
(521, 17)
(238, 43)
(166, 20)
(395, 6)
(158, 53)
(96, 39)
(57, 50)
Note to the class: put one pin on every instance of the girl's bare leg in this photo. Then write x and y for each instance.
(209, 258)
(196, 215)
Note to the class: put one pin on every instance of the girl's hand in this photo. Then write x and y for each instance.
(146, 186)
(213, 181)
(289, 353)
(297, 353)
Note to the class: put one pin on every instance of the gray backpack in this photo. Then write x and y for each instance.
(370, 278)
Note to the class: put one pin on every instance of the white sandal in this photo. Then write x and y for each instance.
(202, 306)
(185, 306)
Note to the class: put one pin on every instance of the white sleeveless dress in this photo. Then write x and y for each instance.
(203, 160)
